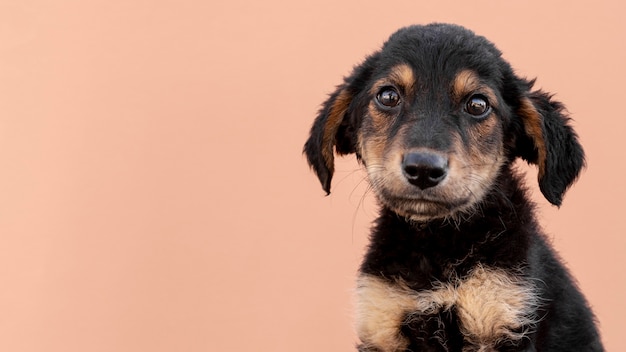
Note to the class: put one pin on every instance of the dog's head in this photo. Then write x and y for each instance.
(434, 116)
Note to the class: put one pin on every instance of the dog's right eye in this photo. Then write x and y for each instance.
(388, 97)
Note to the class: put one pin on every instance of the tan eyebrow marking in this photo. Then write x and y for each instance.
(467, 82)
(400, 75)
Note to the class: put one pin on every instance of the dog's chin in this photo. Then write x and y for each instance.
(425, 210)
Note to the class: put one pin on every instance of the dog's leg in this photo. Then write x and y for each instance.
(381, 309)
(391, 316)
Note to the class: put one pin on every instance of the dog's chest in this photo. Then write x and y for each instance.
(489, 307)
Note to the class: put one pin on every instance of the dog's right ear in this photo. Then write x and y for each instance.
(335, 127)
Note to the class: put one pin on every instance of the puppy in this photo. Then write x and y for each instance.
(457, 261)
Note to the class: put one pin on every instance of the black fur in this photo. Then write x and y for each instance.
(503, 232)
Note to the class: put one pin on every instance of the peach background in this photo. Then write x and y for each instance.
(153, 195)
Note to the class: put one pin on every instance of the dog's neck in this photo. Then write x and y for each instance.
(420, 252)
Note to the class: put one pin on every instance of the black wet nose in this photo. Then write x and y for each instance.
(424, 169)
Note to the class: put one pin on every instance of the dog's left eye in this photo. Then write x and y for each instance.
(477, 106)
(388, 97)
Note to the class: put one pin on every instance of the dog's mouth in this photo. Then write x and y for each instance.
(453, 196)
(422, 207)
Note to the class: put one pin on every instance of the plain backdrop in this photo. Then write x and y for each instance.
(153, 194)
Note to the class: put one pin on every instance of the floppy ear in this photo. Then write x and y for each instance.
(549, 142)
(334, 129)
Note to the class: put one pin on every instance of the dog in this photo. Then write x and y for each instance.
(456, 260)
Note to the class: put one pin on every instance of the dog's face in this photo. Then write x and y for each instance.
(431, 145)
(434, 116)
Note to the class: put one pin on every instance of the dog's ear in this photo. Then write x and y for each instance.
(549, 141)
(335, 127)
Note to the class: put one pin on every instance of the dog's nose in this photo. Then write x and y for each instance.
(424, 169)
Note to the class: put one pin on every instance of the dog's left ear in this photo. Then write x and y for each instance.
(549, 142)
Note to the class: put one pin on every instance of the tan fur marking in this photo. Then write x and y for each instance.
(380, 121)
(482, 161)
(380, 311)
(490, 303)
(381, 154)
(333, 121)
(474, 168)
(383, 306)
(467, 82)
(372, 136)
(532, 125)
(372, 150)
(401, 76)
(485, 128)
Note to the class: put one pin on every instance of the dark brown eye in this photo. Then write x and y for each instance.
(388, 97)
(478, 106)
